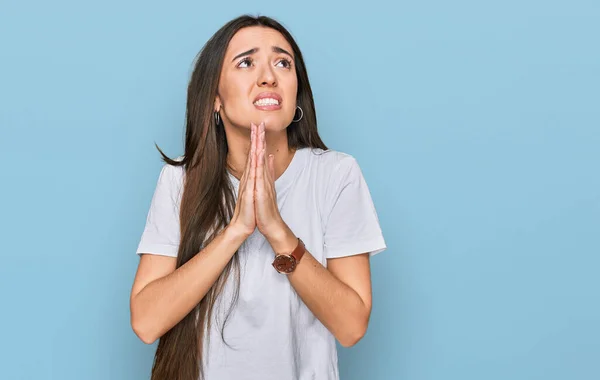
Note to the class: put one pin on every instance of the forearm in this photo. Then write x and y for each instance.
(334, 303)
(164, 302)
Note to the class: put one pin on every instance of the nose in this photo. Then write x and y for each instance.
(267, 78)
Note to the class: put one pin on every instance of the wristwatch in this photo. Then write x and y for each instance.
(286, 263)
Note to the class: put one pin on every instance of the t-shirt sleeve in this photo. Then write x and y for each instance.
(161, 232)
(351, 224)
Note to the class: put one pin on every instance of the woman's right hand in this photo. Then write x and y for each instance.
(244, 219)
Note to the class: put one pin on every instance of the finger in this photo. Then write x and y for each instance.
(260, 167)
(250, 152)
(256, 140)
(266, 164)
(264, 136)
(272, 167)
(253, 138)
(266, 159)
(250, 185)
(261, 144)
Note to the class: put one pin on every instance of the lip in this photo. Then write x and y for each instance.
(272, 95)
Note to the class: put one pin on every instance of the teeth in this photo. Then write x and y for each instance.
(267, 102)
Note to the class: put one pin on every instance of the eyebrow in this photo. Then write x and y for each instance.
(275, 49)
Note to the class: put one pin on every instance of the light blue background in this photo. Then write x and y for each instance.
(476, 124)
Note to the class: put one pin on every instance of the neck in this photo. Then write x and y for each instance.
(238, 140)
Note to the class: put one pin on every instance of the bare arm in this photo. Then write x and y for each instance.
(162, 295)
(339, 295)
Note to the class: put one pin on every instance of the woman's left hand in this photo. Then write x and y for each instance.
(268, 218)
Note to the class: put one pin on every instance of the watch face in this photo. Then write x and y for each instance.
(284, 264)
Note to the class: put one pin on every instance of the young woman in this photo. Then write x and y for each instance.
(255, 254)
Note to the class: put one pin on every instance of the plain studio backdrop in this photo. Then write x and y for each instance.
(476, 124)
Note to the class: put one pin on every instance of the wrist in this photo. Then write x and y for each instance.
(283, 241)
(236, 233)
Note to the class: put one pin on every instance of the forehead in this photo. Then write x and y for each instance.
(256, 37)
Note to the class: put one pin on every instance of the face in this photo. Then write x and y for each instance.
(258, 80)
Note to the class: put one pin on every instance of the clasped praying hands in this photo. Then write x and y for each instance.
(256, 206)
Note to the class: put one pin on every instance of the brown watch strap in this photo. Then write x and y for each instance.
(298, 252)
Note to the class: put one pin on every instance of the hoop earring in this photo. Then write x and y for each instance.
(217, 118)
(301, 115)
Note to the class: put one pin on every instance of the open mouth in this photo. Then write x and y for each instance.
(268, 101)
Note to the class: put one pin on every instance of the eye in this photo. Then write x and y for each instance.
(285, 62)
(246, 62)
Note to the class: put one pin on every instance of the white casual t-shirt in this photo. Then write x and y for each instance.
(271, 334)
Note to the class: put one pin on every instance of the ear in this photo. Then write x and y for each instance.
(217, 106)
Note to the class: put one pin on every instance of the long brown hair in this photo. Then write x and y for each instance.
(208, 201)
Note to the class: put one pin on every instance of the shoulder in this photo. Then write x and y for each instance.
(332, 164)
(173, 170)
(331, 159)
(171, 176)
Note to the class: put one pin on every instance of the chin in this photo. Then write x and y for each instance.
(273, 122)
